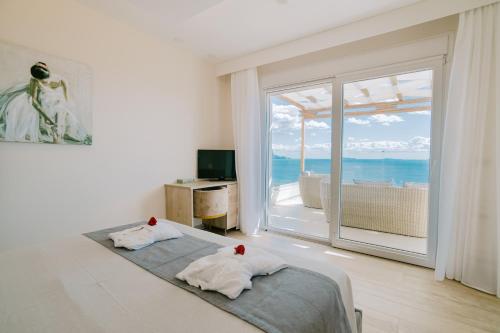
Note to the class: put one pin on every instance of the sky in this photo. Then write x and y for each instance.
(394, 135)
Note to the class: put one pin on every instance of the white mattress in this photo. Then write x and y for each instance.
(77, 285)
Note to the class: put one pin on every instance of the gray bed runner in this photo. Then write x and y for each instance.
(291, 300)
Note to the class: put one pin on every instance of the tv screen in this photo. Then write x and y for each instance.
(216, 164)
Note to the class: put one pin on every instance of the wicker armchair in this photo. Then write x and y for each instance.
(309, 186)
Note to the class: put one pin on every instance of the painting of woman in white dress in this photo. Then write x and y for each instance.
(41, 111)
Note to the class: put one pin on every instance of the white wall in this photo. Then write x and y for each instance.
(154, 104)
(226, 120)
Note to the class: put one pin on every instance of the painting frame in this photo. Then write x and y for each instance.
(44, 98)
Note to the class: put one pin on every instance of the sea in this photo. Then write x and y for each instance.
(399, 171)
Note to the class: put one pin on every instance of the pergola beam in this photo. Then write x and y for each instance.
(308, 114)
(369, 113)
(392, 110)
(395, 87)
(379, 105)
(388, 104)
(292, 102)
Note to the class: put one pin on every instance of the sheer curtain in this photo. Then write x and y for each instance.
(245, 102)
(469, 213)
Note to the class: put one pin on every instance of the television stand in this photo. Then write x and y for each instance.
(180, 205)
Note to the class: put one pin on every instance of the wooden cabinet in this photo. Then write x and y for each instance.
(180, 203)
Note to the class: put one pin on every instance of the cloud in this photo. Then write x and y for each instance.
(319, 146)
(357, 121)
(279, 147)
(293, 150)
(382, 119)
(288, 117)
(314, 124)
(420, 143)
(386, 120)
(421, 113)
(296, 147)
(415, 144)
(285, 117)
(380, 145)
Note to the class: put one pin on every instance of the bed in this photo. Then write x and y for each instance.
(78, 285)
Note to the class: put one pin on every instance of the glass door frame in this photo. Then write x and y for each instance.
(436, 65)
(268, 93)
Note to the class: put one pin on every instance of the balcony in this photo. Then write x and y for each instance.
(390, 216)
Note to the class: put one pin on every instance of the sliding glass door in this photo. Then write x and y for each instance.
(385, 188)
(300, 158)
(354, 160)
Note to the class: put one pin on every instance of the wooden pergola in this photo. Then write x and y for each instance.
(403, 93)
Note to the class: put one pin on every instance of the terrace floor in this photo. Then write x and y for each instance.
(290, 215)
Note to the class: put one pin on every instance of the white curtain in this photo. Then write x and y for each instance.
(245, 102)
(469, 202)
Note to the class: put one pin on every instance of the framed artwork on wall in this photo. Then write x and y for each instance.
(43, 98)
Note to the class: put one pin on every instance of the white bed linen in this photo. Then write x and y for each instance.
(77, 285)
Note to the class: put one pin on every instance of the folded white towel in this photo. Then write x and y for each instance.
(143, 235)
(218, 272)
(258, 261)
(230, 273)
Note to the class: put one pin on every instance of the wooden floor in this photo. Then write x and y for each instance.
(397, 297)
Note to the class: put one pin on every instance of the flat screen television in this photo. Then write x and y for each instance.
(216, 164)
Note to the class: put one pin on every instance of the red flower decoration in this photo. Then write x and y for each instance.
(152, 221)
(240, 249)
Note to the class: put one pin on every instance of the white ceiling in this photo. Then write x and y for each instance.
(224, 29)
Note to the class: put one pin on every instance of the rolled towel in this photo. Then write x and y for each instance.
(143, 235)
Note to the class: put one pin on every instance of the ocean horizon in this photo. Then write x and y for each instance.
(399, 171)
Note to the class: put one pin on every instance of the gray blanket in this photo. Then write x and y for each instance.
(291, 300)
